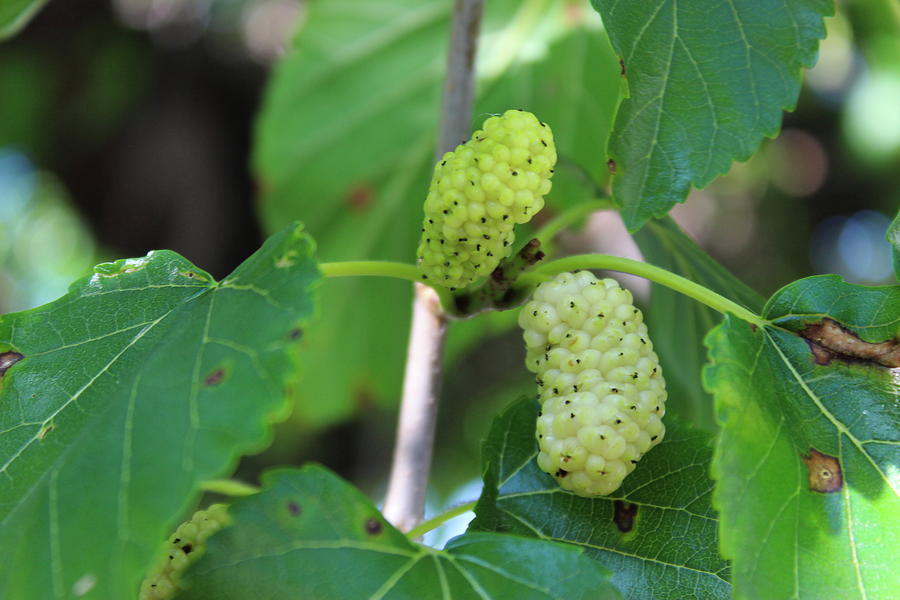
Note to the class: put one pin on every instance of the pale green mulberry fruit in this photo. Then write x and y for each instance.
(601, 388)
(479, 192)
(181, 550)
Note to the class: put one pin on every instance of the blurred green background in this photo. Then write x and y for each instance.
(130, 125)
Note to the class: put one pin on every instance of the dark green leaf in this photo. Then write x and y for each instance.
(147, 378)
(807, 459)
(707, 81)
(678, 323)
(309, 534)
(15, 14)
(670, 550)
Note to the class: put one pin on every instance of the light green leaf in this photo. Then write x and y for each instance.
(678, 323)
(668, 551)
(15, 14)
(145, 380)
(359, 339)
(707, 81)
(807, 459)
(345, 141)
(309, 534)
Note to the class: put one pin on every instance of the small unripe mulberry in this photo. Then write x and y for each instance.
(182, 549)
(601, 388)
(479, 192)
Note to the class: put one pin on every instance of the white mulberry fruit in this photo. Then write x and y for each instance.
(182, 549)
(479, 191)
(601, 388)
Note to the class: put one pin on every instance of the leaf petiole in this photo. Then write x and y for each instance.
(647, 271)
(382, 268)
(435, 522)
(376, 268)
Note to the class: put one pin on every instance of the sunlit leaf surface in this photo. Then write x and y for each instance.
(807, 460)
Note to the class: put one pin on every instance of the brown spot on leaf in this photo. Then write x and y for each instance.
(360, 197)
(828, 340)
(187, 548)
(293, 509)
(824, 472)
(622, 67)
(8, 359)
(373, 526)
(295, 334)
(364, 397)
(194, 275)
(575, 14)
(611, 165)
(215, 377)
(820, 354)
(45, 430)
(623, 515)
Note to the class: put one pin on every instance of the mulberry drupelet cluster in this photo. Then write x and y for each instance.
(601, 389)
(183, 549)
(479, 192)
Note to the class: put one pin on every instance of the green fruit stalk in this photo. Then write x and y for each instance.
(479, 191)
(601, 388)
(183, 548)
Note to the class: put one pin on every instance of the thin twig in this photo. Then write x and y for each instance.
(459, 84)
(404, 505)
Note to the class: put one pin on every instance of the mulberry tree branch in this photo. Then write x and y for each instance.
(404, 504)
